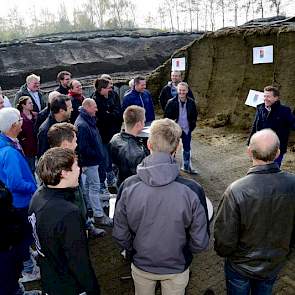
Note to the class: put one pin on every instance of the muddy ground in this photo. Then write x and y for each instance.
(219, 155)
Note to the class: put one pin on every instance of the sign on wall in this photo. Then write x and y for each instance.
(178, 64)
(263, 55)
(254, 98)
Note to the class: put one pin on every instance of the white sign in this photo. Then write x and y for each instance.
(254, 98)
(263, 55)
(178, 64)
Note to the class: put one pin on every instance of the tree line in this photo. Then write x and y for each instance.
(173, 15)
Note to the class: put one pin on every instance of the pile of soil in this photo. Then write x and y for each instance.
(220, 70)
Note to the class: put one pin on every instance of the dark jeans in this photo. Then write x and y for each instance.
(11, 264)
(237, 284)
(104, 169)
(186, 141)
(28, 236)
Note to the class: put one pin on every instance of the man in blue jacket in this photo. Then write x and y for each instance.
(16, 174)
(141, 97)
(272, 114)
(90, 157)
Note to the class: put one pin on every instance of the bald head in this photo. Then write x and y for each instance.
(264, 145)
(90, 107)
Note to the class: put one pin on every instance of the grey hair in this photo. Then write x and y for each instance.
(8, 116)
(264, 145)
(31, 78)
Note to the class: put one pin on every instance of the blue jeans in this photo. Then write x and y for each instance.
(91, 185)
(107, 168)
(237, 284)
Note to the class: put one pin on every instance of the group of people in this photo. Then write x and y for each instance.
(161, 218)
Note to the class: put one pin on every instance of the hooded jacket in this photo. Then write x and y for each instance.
(160, 217)
(15, 173)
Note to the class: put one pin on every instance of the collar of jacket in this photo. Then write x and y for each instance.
(64, 193)
(264, 169)
(128, 135)
(90, 120)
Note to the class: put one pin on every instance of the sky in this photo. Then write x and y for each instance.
(143, 7)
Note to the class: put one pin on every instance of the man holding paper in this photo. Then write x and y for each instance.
(276, 116)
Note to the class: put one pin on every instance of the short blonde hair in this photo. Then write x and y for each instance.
(164, 136)
(31, 78)
(132, 115)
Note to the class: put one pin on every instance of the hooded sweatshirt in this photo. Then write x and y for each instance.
(160, 217)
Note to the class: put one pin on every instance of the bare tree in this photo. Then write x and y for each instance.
(169, 7)
(260, 7)
(277, 5)
(221, 4)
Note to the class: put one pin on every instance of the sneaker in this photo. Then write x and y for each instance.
(190, 170)
(104, 192)
(29, 277)
(104, 220)
(111, 179)
(95, 231)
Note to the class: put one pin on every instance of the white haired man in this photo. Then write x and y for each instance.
(160, 215)
(16, 174)
(255, 220)
(32, 89)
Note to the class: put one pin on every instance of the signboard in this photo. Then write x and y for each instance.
(254, 98)
(263, 55)
(178, 64)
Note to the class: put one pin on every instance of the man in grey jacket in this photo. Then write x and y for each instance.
(161, 218)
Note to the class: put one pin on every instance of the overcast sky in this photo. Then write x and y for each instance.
(143, 8)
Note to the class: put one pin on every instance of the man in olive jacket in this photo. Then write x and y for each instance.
(255, 220)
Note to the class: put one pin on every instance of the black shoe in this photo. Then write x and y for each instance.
(209, 292)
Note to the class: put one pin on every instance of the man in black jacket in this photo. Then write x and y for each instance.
(63, 78)
(127, 149)
(109, 121)
(60, 111)
(170, 90)
(255, 220)
(58, 228)
(183, 110)
(272, 114)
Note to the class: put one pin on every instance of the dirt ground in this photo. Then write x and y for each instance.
(219, 155)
